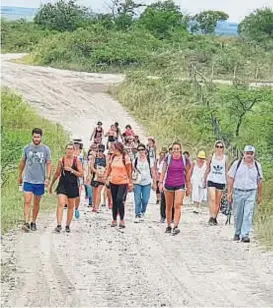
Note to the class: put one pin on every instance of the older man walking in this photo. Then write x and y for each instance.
(244, 188)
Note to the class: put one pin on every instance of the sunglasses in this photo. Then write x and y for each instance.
(141, 149)
(219, 147)
(249, 153)
(100, 151)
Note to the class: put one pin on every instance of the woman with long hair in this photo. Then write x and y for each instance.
(98, 168)
(68, 171)
(216, 179)
(159, 167)
(145, 169)
(151, 147)
(119, 171)
(175, 181)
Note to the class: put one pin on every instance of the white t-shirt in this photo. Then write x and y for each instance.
(144, 169)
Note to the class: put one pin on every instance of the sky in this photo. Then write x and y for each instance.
(237, 9)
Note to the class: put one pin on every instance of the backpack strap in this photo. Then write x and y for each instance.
(258, 171)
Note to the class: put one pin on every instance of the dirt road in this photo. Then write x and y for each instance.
(98, 266)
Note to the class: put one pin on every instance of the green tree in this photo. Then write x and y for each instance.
(241, 101)
(123, 12)
(161, 18)
(258, 26)
(62, 16)
(206, 21)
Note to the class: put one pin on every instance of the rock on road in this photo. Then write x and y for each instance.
(97, 266)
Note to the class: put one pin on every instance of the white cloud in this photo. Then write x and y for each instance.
(236, 9)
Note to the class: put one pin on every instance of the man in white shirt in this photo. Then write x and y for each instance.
(244, 187)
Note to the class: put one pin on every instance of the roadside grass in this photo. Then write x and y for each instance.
(18, 119)
(168, 109)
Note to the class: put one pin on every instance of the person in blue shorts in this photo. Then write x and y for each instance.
(36, 166)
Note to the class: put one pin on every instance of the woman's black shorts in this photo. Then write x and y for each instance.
(71, 191)
(216, 185)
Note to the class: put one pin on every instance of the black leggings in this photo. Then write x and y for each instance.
(119, 193)
(163, 207)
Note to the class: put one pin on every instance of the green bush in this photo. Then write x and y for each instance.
(21, 36)
(96, 48)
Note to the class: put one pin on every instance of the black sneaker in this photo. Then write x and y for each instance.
(211, 221)
(175, 230)
(246, 239)
(236, 237)
(67, 229)
(58, 229)
(33, 226)
(168, 229)
(215, 223)
(157, 201)
(26, 227)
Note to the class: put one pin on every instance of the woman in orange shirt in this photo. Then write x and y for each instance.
(120, 171)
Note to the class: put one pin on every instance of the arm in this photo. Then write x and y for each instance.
(227, 162)
(21, 170)
(107, 134)
(49, 169)
(260, 189)
(162, 176)
(188, 178)
(129, 170)
(154, 177)
(56, 175)
(79, 172)
(93, 133)
(92, 165)
(207, 170)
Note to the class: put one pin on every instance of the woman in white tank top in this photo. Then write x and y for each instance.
(216, 178)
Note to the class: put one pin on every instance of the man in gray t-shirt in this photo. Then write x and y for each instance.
(36, 166)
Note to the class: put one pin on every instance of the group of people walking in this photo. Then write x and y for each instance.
(129, 165)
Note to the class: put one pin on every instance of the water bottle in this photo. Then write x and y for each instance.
(20, 187)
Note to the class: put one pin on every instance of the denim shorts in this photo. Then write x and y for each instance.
(36, 189)
(175, 188)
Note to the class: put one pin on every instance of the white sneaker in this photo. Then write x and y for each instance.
(196, 210)
(141, 218)
(137, 220)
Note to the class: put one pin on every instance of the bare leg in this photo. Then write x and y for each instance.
(218, 198)
(169, 196)
(178, 202)
(212, 198)
(27, 205)
(62, 200)
(36, 207)
(70, 210)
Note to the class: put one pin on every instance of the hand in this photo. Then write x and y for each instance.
(160, 186)
(68, 169)
(130, 187)
(188, 192)
(154, 186)
(46, 182)
(229, 196)
(20, 179)
(259, 199)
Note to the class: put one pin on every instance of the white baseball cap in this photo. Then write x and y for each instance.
(249, 148)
